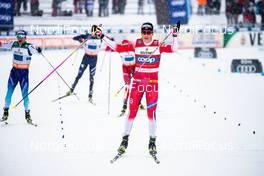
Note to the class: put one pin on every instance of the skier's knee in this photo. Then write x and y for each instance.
(132, 115)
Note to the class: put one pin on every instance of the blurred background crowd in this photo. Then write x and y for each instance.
(237, 12)
(80, 6)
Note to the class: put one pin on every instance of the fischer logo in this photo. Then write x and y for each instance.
(246, 69)
(149, 60)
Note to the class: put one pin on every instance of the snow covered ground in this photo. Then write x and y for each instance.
(200, 106)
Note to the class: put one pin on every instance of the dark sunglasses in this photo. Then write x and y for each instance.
(21, 36)
(146, 32)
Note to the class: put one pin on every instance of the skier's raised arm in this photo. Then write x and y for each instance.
(22, 54)
(82, 37)
(107, 48)
(170, 48)
(112, 44)
(7, 45)
(91, 48)
(33, 50)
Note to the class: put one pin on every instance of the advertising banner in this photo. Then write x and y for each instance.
(179, 10)
(245, 39)
(6, 15)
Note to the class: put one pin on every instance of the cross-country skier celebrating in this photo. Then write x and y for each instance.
(145, 79)
(22, 52)
(91, 48)
(127, 53)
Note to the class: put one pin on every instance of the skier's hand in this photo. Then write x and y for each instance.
(81, 40)
(1, 44)
(39, 49)
(97, 31)
(176, 29)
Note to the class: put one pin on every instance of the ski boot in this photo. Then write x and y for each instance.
(123, 146)
(122, 149)
(141, 107)
(5, 115)
(28, 118)
(70, 92)
(123, 110)
(90, 99)
(152, 146)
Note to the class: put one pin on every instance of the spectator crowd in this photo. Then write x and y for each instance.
(34, 7)
(80, 6)
(247, 9)
(238, 12)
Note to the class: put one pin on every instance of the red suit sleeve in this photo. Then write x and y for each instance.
(119, 48)
(166, 48)
(170, 48)
(125, 47)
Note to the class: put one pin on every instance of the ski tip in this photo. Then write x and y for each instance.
(53, 101)
(14, 107)
(33, 124)
(116, 95)
(121, 115)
